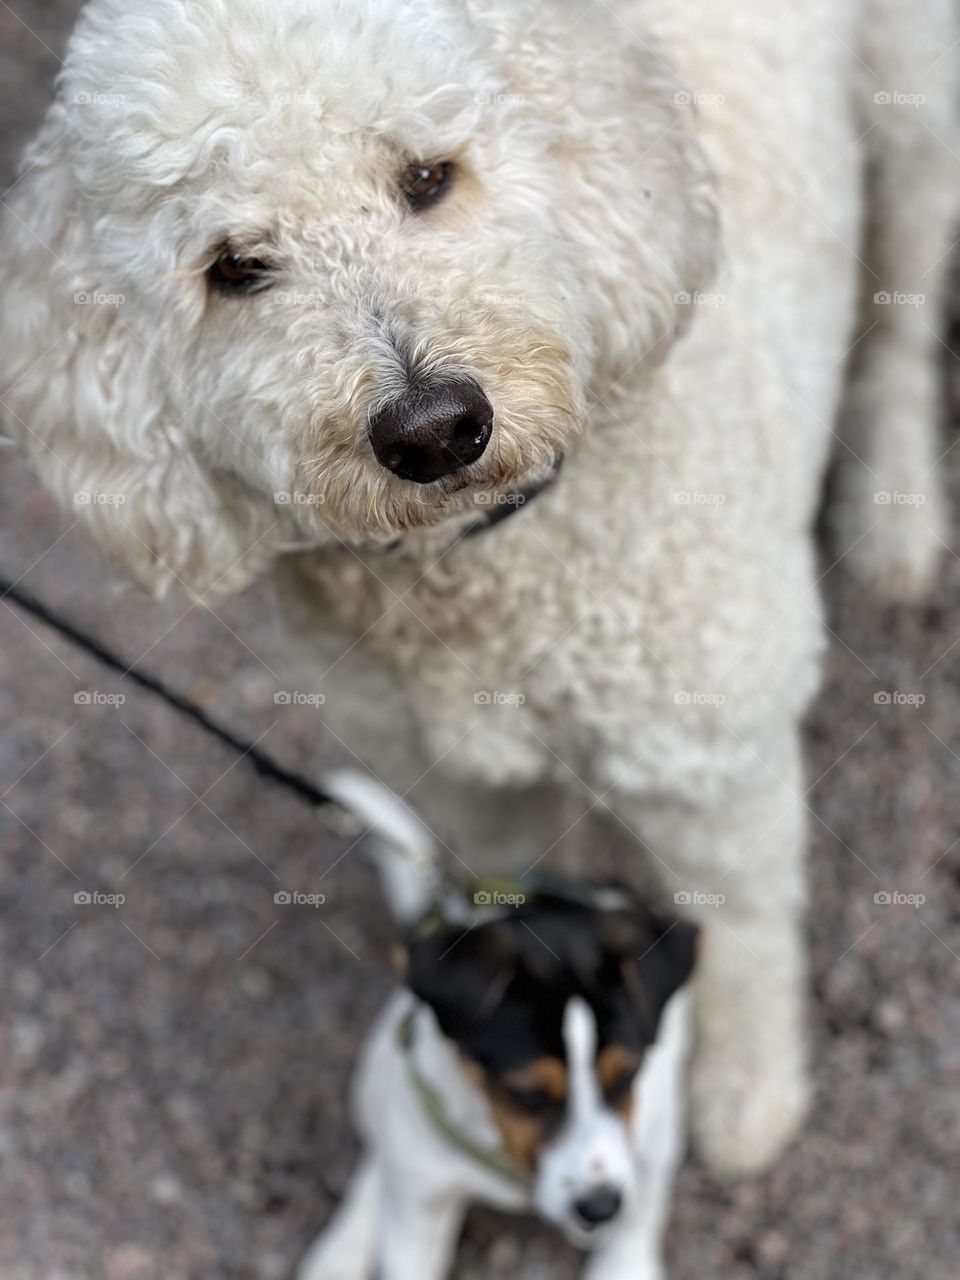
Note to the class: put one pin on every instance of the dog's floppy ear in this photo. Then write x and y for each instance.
(639, 200)
(84, 393)
(656, 956)
(462, 973)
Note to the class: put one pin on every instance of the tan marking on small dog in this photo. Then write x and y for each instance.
(614, 1062)
(523, 1135)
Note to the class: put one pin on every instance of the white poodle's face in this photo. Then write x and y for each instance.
(374, 259)
(383, 312)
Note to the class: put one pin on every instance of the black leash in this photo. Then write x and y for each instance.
(264, 764)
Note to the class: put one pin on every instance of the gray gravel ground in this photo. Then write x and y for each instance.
(173, 1072)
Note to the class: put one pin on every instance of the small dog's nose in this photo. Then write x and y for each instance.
(598, 1205)
(431, 432)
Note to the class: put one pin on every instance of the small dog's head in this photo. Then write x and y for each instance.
(553, 1007)
(335, 268)
(553, 995)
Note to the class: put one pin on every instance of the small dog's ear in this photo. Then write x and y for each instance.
(656, 957)
(463, 974)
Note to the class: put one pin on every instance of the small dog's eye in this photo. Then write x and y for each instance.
(618, 1089)
(425, 182)
(231, 273)
(533, 1101)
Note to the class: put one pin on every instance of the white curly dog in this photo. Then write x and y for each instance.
(351, 275)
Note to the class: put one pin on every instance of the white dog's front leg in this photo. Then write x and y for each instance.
(418, 1231)
(737, 868)
(749, 1085)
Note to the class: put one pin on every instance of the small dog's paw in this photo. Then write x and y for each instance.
(742, 1118)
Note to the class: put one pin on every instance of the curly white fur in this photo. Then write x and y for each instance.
(655, 614)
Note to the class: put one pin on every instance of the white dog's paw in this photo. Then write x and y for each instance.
(742, 1118)
(893, 538)
(891, 516)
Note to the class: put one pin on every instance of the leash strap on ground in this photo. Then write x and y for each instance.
(264, 764)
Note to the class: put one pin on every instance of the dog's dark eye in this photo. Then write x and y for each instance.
(534, 1101)
(234, 274)
(425, 182)
(618, 1089)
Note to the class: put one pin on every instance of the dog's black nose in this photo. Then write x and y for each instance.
(433, 431)
(597, 1206)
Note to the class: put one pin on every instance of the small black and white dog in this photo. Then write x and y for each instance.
(534, 1061)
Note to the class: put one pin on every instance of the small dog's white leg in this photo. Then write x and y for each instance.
(737, 868)
(891, 520)
(628, 1257)
(419, 1230)
(346, 1249)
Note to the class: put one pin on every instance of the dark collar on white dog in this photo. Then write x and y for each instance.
(508, 504)
(495, 1160)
